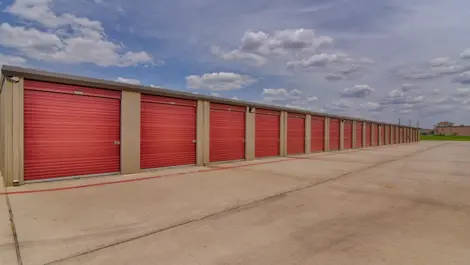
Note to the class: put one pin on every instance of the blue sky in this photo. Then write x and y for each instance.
(376, 59)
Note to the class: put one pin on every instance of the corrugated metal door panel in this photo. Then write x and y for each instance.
(368, 134)
(317, 134)
(267, 133)
(227, 133)
(295, 134)
(69, 89)
(70, 135)
(348, 134)
(167, 100)
(168, 132)
(359, 130)
(216, 106)
(334, 134)
(402, 135)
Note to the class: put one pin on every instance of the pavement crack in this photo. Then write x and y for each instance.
(13, 230)
(240, 207)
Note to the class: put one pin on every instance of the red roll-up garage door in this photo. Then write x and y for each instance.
(368, 134)
(318, 134)
(359, 130)
(70, 131)
(348, 134)
(227, 132)
(334, 134)
(295, 134)
(267, 133)
(167, 132)
(402, 135)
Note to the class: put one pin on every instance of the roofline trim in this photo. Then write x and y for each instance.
(40, 75)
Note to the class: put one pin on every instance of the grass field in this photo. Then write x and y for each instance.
(444, 138)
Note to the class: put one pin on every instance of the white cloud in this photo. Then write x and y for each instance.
(67, 38)
(221, 81)
(128, 81)
(416, 74)
(258, 46)
(333, 77)
(11, 60)
(320, 60)
(463, 78)
(339, 105)
(465, 54)
(215, 94)
(407, 87)
(441, 61)
(357, 91)
(371, 106)
(462, 91)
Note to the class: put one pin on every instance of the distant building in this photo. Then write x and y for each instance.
(448, 128)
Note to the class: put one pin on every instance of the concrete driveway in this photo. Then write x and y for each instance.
(407, 204)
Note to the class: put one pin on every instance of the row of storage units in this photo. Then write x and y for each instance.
(65, 129)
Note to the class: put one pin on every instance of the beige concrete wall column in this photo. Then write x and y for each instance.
(308, 133)
(283, 140)
(354, 144)
(341, 134)
(373, 134)
(12, 111)
(364, 134)
(130, 132)
(206, 115)
(381, 127)
(200, 133)
(250, 134)
(327, 134)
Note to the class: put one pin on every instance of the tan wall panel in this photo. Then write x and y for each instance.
(130, 132)
(250, 135)
(308, 133)
(12, 109)
(381, 127)
(200, 133)
(354, 134)
(364, 134)
(327, 134)
(2, 128)
(283, 142)
(341, 135)
(206, 132)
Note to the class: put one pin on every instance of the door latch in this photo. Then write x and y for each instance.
(117, 142)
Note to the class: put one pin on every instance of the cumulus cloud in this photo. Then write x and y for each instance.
(11, 60)
(407, 87)
(465, 55)
(320, 60)
(441, 61)
(416, 74)
(292, 98)
(463, 78)
(339, 105)
(258, 46)
(357, 91)
(221, 81)
(67, 38)
(334, 77)
(128, 81)
(372, 106)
